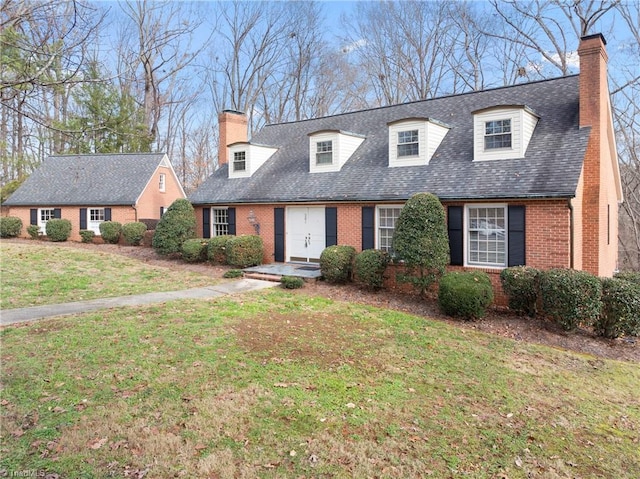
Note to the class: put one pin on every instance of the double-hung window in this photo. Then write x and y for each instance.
(486, 236)
(44, 215)
(162, 182)
(408, 143)
(497, 134)
(220, 217)
(387, 218)
(324, 152)
(239, 161)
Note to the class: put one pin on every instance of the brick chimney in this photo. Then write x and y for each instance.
(598, 245)
(233, 127)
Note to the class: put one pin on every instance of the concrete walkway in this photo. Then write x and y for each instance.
(22, 315)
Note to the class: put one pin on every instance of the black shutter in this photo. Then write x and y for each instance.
(206, 222)
(455, 229)
(57, 213)
(231, 212)
(33, 216)
(516, 236)
(368, 227)
(331, 226)
(83, 218)
(278, 227)
(107, 214)
(161, 211)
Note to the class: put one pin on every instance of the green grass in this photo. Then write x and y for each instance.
(278, 384)
(33, 275)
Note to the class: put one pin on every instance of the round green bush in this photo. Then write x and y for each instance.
(33, 231)
(291, 282)
(465, 294)
(620, 313)
(10, 227)
(244, 251)
(570, 297)
(632, 276)
(370, 266)
(133, 233)
(336, 263)
(421, 241)
(58, 229)
(233, 273)
(194, 250)
(177, 225)
(110, 231)
(87, 236)
(217, 249)
(520, 284)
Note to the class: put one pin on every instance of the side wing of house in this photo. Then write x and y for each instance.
(162, 189)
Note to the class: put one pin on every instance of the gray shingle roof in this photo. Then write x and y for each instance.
(113, 179)
(551, 167)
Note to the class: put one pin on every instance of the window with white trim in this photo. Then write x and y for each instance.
(239, 161)
(497, 134)
(95, 217)
(408, 143)
(44, 215)
(387, 218)
(324, 152)
(162, 182)
(220, 221)
(486, 235)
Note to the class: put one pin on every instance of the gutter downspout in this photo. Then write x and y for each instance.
(571, 233)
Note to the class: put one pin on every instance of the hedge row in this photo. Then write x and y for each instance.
(576, 298)
(237, 251)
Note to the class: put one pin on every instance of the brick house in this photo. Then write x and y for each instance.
(528, 175)
(90, 189)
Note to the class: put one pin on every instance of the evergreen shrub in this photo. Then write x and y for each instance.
(620, 313)
(194, 250)
(58, 229)
(370, 266)
(233, 273)
(33, 231)
(133, 233)
(10, 227)
(336, 263)
(291, 282)
(520, 284)
(87, 236)
(110, 231)
(178, 224)
(217, 249)
(465, 294)
(244, 251)
(632, 276)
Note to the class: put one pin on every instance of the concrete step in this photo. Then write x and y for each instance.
(264, 277)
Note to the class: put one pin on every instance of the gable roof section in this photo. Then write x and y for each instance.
(100, 180)
(551, 167)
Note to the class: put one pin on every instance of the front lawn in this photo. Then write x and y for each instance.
(275, 384)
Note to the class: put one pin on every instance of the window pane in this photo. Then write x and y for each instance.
(387, 218)
(324, 152)
(239, 161)
(220, 221)
(497, 134)
(408, 143)
(486, 236)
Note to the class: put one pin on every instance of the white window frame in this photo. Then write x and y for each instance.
(496, 232)
(162, 182)
(499, 125)
(324, 150)
(219, 221)
(93, 224)
(413, 139)
(380, 227)
(239, 158)
(44, 215)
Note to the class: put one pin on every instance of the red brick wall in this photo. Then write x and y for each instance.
(152, 198)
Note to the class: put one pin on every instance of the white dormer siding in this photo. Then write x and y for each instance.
(329, 150)
(512, 128)
(402, 141)
(254, 157)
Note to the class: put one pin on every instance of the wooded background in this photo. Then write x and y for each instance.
(136, 76)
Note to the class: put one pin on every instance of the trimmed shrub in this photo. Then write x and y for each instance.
(632, 276)
(110, 231)
(33, 231)
(194, 250)
(58, 229)
(233, 273)
(87, 236)
(370, 266)
(570, 297)
(336, 263)
(465, 294)
(133, 233)
(620, 313)
(177, 225)
(421, 241)
(10, 227)
(217, 249)
(520, 284)
(244, 251)
(291, 282)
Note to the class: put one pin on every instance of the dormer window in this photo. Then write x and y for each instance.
(324, 152)
(497, 134)
(239, 161)
(408, 143)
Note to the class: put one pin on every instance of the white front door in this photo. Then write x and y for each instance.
(305, 233)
